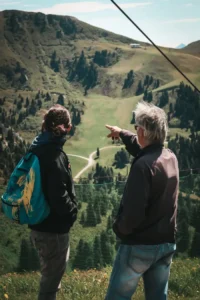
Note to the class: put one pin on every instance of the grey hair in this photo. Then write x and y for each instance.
(153, 120)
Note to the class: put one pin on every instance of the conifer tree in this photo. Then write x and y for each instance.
(24, 257)
(83, 218)
(34, 261)
(98, 215)
(88, 256)
(61, 100)
(129, 80)
(106, 249)
(98, 261)
(195, 247)
(140, 89)
(78, 262)
(109, 223)
(98, 152)
(91, 216)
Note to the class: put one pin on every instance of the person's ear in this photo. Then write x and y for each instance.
(141, 132)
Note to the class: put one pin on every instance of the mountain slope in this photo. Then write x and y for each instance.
(29, 40)
(34, 44)
(193, 48)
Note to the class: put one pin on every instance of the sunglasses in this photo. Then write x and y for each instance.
(138, 126)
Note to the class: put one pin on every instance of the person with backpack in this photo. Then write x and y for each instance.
(51, 236)
(146, 220)
(41, 193)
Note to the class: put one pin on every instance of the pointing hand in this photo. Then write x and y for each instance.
(114, 131)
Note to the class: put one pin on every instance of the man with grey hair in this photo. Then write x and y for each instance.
(146, 220)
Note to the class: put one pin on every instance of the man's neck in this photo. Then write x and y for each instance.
(145, 144)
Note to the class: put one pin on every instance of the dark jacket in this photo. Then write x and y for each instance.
(147, 214)
(58, 189)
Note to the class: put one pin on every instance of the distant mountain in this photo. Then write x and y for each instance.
(193, 48)
(30, 40)
(181, 46)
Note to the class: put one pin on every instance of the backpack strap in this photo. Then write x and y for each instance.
(28, 156)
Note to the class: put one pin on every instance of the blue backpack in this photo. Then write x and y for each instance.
(24, 201)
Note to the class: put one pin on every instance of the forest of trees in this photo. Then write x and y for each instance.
(147, 86)
(98, 204)
(163, 99)
(129, 80)
(23, 107)
(121, 159)
(11, 151)
(148, 96)
(67, 25)
(187, 107)
(187, 150)
(15, 20)
(16, 75)
(12, 147)
(188, 223)
(80, 70)
(97, 254)
(28, 257)
(101, 193)
(105, 58)
(102, 203)
(144, 86)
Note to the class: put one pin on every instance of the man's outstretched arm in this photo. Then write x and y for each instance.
(128, 138)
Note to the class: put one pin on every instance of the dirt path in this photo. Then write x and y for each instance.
(90, 160)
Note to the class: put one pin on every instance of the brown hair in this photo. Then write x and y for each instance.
(57, 120)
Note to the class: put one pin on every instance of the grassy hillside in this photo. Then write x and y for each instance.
(193, 48)
(28, 41)
(92, 284)
(12, 235)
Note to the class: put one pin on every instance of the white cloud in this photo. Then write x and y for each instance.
(191, 20)
(9, 3)
(87, 7)
(29, 5)
(188, 4)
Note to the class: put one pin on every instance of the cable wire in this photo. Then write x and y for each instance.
(166, 57)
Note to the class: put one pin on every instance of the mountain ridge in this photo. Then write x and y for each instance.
(181, 46)
(193, 48)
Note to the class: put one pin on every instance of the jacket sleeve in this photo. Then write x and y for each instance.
(130, 141)
(134, 202)
(58, 196)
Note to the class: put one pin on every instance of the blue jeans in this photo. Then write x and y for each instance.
(152, 262)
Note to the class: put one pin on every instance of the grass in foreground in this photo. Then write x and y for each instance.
(92, 284)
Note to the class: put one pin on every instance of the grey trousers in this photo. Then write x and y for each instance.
(53, 251)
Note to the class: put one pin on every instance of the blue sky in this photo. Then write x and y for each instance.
(167, 22)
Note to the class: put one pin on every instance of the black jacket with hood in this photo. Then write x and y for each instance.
(58, 188)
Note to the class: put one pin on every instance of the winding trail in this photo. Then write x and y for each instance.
(90, 160)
